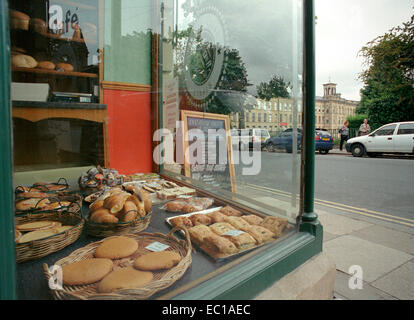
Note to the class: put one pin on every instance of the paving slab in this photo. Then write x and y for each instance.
(340, 225)
(368, 292)
(399, 283)
(328, 236)
(402, 241)
(375, 260)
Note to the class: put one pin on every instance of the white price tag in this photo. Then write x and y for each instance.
(233, 233)
(157, 246)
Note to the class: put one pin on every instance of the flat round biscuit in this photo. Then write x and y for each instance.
(86, 271)
(157, 261)
(116, 248)
(125, 278)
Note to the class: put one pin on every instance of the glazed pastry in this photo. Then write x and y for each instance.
(260, 234)
(184, 222)
(237, 222)
(216, 216)
(102, 215)
(242, 241)
(221, 228)
(198, 233)
(175, 206)
(229, 211)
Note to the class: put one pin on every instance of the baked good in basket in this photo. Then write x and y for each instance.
(253, 219)
(155, 261)
(86, 271)
(38, 225)
(275, 224)
(124, 278)
(36, 235)
(116, 248)
(31, 203)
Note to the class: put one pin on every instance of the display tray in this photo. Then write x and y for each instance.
(211, 253)
(161, 279)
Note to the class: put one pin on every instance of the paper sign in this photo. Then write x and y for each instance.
(157, 246)
(233, 233)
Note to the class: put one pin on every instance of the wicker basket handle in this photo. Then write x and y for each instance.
(186, 233)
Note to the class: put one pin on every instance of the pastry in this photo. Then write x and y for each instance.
(275, 224)
(38, 225)
(237, 222)
(175, 206)
(198, 233)
(23, 61)
(229, 211)
(31, 194)
(155, 261)
(31, 203)
(85, 272)
(115, 203)
(47, 65)
(64, 66)
(125, 278)
(96, 205)
(219, 244)
(216, 216)
(260, 234)
(116, 248)
(181, 222)
(62, 228)
(197, 219)
(146, 197)
(221, 228)
(37, 235)
(242, 241)
(253, 219)
(102, 215)
(38, 25)
(18, 20)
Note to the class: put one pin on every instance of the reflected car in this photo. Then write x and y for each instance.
(396, 138)
(323, 141)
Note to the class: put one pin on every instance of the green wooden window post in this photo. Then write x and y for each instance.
(7, 246)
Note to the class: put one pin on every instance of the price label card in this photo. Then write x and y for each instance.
(233, 233)
(157, 246)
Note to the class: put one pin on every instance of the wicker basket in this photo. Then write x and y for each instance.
(75, 205)
(162, 279)
(62, 183)
(42, 247)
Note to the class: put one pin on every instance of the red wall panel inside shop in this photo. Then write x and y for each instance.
(129, 131)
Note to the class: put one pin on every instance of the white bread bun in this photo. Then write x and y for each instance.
(23, 61)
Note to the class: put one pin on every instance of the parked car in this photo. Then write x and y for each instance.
(397, 138)
(240, 137)
(323, 141)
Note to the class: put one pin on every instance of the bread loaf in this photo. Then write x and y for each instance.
(38, 25)
(48, 65)
(64, 66)
(102, 215)
(23, 61)
(19, 20)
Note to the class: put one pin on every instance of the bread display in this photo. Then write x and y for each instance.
(23, 61)
(275, 224)
(188, 205)
(125, 278)
(86, 271)
(116, 248)
(253, 219)
(155, 261)
(47, 65)
(229, 211)
(19, 20)
(66, 67)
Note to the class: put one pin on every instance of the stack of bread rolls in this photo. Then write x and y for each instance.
(117, 205)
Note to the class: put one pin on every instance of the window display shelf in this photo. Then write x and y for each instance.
(55, 72)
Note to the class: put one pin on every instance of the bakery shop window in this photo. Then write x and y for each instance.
(219, 66)
(55, 56)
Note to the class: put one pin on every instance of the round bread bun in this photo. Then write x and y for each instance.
(157, 261)
(125, 278)
(38, 25)
(116, 248)
(23, 61)
(87, 271)
(48, 65)
(64, 66)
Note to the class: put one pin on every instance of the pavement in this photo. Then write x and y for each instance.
(374, 261)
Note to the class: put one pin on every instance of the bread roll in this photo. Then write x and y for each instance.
(19, 20)
(103, 216)
(64, 66)
(48, 65)
(23, 61)
(38, 25)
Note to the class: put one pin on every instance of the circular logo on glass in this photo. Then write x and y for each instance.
(204, 56)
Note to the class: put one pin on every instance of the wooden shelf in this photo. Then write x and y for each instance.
(55, 72)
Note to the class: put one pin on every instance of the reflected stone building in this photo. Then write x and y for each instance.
(278, 113)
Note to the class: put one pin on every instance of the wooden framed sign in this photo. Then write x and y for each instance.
(208, 156)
